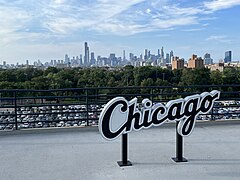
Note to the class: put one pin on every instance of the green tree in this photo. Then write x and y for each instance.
(216, 77)
(198, 76)
(231, 75)
(52, 70)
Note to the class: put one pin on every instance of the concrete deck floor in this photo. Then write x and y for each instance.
(213, 151)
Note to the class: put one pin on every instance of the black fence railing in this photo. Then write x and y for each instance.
(21, 109)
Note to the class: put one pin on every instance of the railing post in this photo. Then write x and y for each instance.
(125, 161)
(15, 108)
(212, 114)
(152, 94)
(179, 147)
(87, 107)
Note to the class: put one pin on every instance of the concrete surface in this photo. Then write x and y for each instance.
(213, 151)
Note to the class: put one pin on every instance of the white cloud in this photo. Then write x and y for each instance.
(221, 4)
(148, 11)
(193, 30)
(66, 18)
(181, 11)
(219, 38)
(180, 21)
(121, 17)
(150, 19)
(120, 28)
(41, 22)
(118, 17)
(13, 21)
(59, 1)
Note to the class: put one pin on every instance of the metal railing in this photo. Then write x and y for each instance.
(21, 109)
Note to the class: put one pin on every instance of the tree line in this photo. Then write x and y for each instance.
(54, 78)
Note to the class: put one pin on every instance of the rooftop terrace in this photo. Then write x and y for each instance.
(212, 151)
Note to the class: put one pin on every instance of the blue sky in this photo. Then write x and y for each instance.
(47, 29)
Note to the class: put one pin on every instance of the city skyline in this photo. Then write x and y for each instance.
(48, 30)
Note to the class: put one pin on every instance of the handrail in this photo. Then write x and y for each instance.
(24, 108)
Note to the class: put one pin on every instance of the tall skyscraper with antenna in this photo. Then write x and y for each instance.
(162, 53)
(86, 54)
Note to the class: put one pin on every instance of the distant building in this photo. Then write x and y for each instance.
(162, 53)
(215, 67)
(207, 59)
(131, 56)
(167, 58)
(67, 59)
(177, 63)
(86, 54)
(145, 54)
(102, 61)
(80, 60)
(113, 60)
(4, 63)
(124, 55)
(228, 57)
(195, 62)
(92, 60)
(171, 56)
(158, 53)
(62, 66)
(235, 64)
(149, 54)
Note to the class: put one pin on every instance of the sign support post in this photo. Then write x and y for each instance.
(125, 161)
(179, 148)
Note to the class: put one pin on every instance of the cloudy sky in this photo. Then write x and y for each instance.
(48, 29)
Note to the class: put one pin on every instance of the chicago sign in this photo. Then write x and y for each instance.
(120, 116)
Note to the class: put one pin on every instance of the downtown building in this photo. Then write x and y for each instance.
(177, 63)
(207, 59)
(195, 62)
(228, 57)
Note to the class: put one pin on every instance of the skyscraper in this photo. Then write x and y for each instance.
(162, 53)
(124, 55)
(66, 59)
(80, 60)
(167, 58)
(171, 56)
(149, 54)
(131, 56)
(86, 54)
(92, 60)
(228, 57)
(113, 60)
(207, 59)
(145, 54)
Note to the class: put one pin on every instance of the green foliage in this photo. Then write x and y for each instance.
(216, 77)
(198, 76)
(231, 75)
(53, 78)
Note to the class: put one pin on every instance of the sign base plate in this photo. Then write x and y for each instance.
(179, 160)
(121, 164)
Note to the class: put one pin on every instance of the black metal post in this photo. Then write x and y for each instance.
(152, 94)
(87, 101)
(212, 115)
(179, 147)
(125, 161)
(15, 109)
